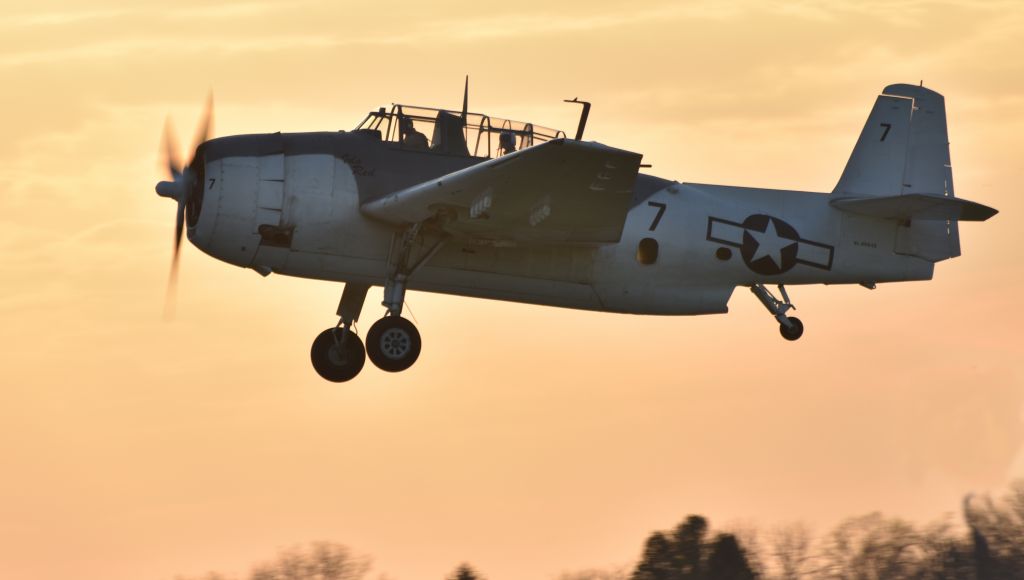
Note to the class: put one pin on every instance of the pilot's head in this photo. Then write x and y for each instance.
(405, 124)
(506, 142)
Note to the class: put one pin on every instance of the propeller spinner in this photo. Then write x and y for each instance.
(183, 183)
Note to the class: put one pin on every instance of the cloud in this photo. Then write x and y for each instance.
(427, 32)
(904, 13)
(62, 18)
(146, 47)
(546, 22)
(179, 12)
(233, 11)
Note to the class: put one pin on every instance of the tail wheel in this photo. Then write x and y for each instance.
(794, 331)
(337, 355)
(393, 344)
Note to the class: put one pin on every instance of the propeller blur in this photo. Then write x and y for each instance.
(180, 188)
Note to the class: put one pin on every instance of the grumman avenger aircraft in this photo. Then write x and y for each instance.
(419, 198)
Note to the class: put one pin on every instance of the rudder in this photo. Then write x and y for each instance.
(928, 170)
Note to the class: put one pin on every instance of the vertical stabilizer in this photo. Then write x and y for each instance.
(877, 163)
(904, 148)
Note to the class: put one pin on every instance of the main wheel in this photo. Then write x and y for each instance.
(337, 357)
(393, 344)
(792, 332)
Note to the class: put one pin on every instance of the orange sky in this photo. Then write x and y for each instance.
(526, 440)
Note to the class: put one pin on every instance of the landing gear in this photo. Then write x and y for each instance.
(393, 344)
(338, 354)
(794, 331)
(790, 327)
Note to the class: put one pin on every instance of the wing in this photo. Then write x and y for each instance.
(558, 191)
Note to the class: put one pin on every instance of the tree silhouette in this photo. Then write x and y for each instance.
(659, 561)
(689, 548)
(870, 547)
(997, 535)
(791, 551)
(318, 561)
(679, 555)
(873, 546)
(728, 561)
(617, 573)
(465, 572)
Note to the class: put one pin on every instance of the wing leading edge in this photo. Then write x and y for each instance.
(558, 191)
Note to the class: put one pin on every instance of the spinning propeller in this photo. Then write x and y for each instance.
(184, 181)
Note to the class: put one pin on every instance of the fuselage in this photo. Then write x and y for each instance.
(290, 204)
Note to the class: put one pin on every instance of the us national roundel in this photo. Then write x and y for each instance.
(770, 245)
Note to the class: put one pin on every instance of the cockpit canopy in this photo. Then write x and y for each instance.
(451, 133)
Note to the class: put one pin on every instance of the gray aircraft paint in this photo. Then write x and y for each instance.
(314, 185)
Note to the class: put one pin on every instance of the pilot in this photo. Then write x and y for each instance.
(411, 138)
(506, 143)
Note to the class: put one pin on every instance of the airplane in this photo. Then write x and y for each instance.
(493, 208)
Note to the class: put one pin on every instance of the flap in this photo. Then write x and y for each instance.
(559, 191)
(916, 206)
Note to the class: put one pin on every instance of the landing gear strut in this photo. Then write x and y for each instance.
(393, 343)
(337, 354)
(790, 327)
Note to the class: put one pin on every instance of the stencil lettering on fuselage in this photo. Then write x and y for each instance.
(768, 245)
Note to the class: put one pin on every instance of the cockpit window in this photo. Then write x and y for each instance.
(452, 133)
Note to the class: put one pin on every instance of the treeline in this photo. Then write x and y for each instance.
(985, 543)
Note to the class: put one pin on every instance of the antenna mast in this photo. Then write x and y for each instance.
(583, 116)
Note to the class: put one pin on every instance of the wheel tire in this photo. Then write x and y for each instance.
(393, 344)
(334, 364)
(794, 332)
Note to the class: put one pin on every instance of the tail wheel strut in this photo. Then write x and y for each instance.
(790, 327)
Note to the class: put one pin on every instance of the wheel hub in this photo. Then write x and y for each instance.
(395, 343)
(337, 358)
(335, 355)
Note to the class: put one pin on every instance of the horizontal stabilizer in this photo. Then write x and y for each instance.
(916, 206)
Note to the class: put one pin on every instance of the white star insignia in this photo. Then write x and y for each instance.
(770, 244)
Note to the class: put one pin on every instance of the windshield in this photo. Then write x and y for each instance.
(448, 132)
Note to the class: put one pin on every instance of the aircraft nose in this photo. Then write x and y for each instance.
(170, 189)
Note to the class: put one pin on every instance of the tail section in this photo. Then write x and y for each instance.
(878, 161)
(904, 149)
